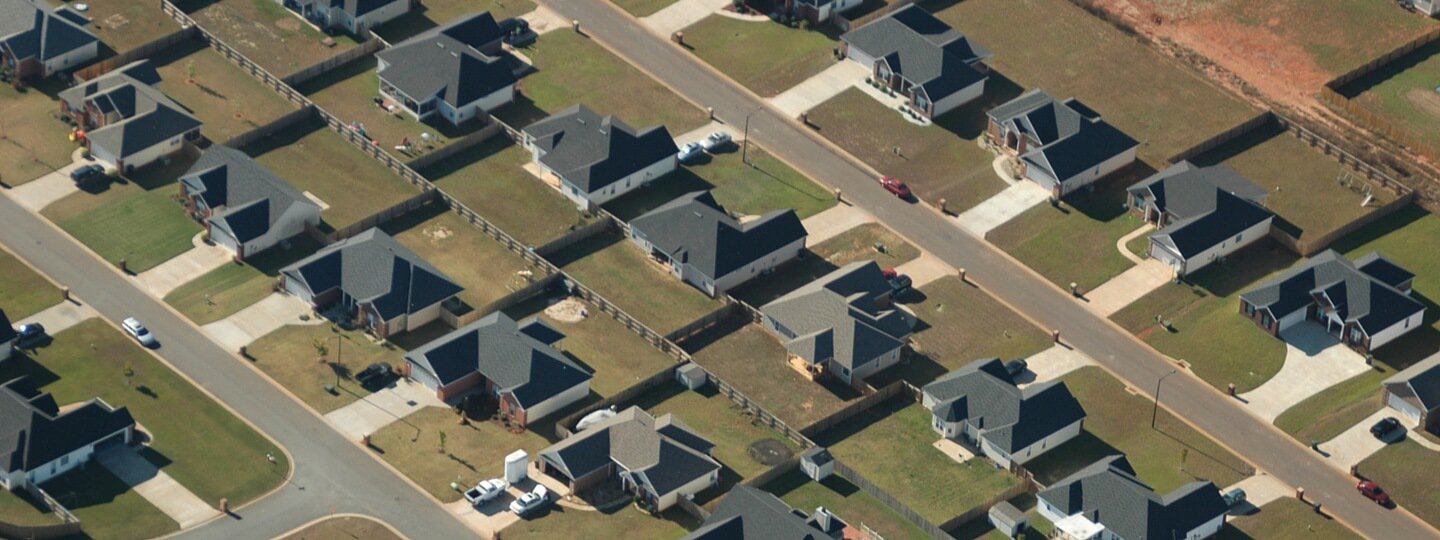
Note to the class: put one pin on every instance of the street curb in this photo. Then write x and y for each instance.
(323, 519)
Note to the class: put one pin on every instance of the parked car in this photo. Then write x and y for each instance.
(889, 273)
(1384, 427)
(716, 140)
(530, 502)
(896, 186)
(29, 333)
(138, 331)
(85, 173)
(1372, 491)
(900, 284)
(374, 375)
(1234, 497)
(513, 27)
(689, 152)
(485, 491)
(1016, 367)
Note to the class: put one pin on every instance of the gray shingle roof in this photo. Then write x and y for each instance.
(1072, 136)
(1012, 419)
(504, 352)
(1209, 204)
(372, 267)
(1107, 492)
(593, 152)
(33, 432)
(1420, 381)
(840, 315)
(660, 453)
(34, 30)
(921, 48)
(138, 116)
(1358, 296)
(249, 198)
(748, 513)
(7, 331)
(448, 62)
(697, 232)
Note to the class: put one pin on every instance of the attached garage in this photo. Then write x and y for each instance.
(1405, 408)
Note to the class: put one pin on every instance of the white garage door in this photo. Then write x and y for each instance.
(1290, 320)
(859, 56)
(1405, 408)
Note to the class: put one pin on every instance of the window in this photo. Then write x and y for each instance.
(1356, 336)
(1249, 308)
(1238, 237)
(65, 460)
(1265, 320)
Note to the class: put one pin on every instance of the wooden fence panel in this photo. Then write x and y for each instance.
(894, 504)
(276, 126)
(369, 47)
(137, 53)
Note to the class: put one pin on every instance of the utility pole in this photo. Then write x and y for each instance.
(1155, 409)
(745, 145)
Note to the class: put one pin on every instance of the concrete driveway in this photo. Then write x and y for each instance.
(179, 270)
(1051, 364)
(1002, 207)
(925, 269)
(156, 486)
(1128, 287)
(382, 408)
(1260, 490)
(699, 134)
(1355, 444)
(262, 318)
(60, 316)
(830, 223)
(820, 87)
(39, 193)
(681, 14)
(1314, 361)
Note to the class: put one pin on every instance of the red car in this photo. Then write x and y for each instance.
(889, 273)
(896, 186)
(1372, 491)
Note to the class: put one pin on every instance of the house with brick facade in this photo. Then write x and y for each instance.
(245, 207)
(515, 364)
(596, 159)
(455, 72)
(700, 243)
(37, 40)
(127, 122)
(1061, 145)
(1203, 214)
(1415, 394)
(910, 51)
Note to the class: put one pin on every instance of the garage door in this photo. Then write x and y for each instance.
(859, 56)
(1290, 320)
(1411, 414)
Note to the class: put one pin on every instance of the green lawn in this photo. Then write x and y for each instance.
(22, 291)
(1069, 52)
(472, 452)
(627, 522)
(939, 161)
(291, 356)
(1302, 181)
(1117, 422)
(753, 361)
(438, 12)
(206, 449)
(354, 185)
(138, 221)
(716, 418)
(1284, 519)
(457, 248)
(763, 186)
(266, 33)
(961, 324)
(224, 291)
(847, 501)
(1407, 471)
(126, 24)
(617, 356)
(106, 507)
(854, 245)
(1075, 243)
(224, 97)
(16, 508)
(765, 56)
(891, 446)
(33, 141)
(344, 528)
(489, 180)
(1403, 93)
(1208, 305)
(642, 8)
(1327, 414)
(573, 69)
(620, 272)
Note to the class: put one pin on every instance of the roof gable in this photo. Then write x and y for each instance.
(696, 231)
(592, 152)
(372, 267)
(842, 313)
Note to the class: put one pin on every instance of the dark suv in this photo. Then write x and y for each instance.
(86, 173)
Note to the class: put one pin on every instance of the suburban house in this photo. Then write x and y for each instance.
(245, 208)
(1428, 7)
(1106, 501)
(1061, 145)
(355, 17)
(37, 40)
(658, 460)
(703, 245)
(1365, 303)
(748, 513)
(598, 159)
(455, 71)
(127, 123)
(1202, 213)
(909, 50)
(38, 442)
(1415, 393)
(515, 364)
(819, 11)
(7, 337)
(385, 286)
(981, 405)
(844, 324)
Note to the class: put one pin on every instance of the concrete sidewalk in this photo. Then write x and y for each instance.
(1002, 207)
(187, 266)
(60, 316)
(157, 487)
(1262, 489)
(543, 19)
(1128, 287)
(830, 223)
(925, 269)
(262, 318)
(382, 408)
(1125, 252)
(1314, 361)
(1051, 364)
(681, 14)
(820, 88)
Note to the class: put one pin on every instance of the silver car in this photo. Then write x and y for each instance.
(139, 332)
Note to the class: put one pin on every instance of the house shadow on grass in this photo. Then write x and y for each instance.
(585, 249)
(790, 276)
(23, 364)
(1244, 270)
(970, 121)
(521, 112)
(659, 191)
(1106, 200)
(1075, 454)
(859, 422)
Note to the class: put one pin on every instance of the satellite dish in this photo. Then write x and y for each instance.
(426, 136)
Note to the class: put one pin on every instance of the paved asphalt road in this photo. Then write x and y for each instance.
(1266, 447)
(331, 473)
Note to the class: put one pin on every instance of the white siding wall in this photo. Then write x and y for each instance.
(965, 95)
(1226, 247)
(6, 349)
(557, 402)
(634, 181)
(222, 238)
(1044, 445)
(666, 500)
(72, 59)
(775, 258)
(1396, 330)
(1050, 513)
(1206, 530)
(885, 361)
(1405, 409)
(1090, 176)
(380, 16)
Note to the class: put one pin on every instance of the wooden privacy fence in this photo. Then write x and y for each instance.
(1346, 158)
(846, 24)
(575, 236)
(710, 320)
(566, 425)
(1264, 117)
(144, 51)
(1430, 36)
(852, 410)
(455, 147)
(279, 124)
(1310, 245)
(1026, 485)
(385, 216)
(894, 504)
(1330, 95)
(750, 406)
(369, 47)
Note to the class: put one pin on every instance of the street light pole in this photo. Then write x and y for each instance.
(339, 348)
(1155, 408)
(745, 144)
